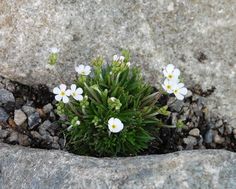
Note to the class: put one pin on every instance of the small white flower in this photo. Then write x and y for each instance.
(83, 70)
(78, 122)
(76, 93)
(180, 91)
(171, 73)
(115, 57)
(115, 125)
(169, 85)
(61, 93)
(128, 64)
(54, 50)
(122, 58)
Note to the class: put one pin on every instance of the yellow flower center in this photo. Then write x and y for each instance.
(168, 87)
(113, 126)
(175, 91)
(73, 94)
(63, 93)
(83, 72)
(170, 76)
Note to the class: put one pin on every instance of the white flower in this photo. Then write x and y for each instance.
(61, 93)
(76, 92)
(180, 91)
(169, 85)
(113, 99)
(171, 73)
(54, 50)
(78, 122)
(83, 70)
(115, 125)
(115, 57)
(128, 64)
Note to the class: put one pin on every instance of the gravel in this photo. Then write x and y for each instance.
(31, 121)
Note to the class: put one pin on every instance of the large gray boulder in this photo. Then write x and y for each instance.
(25, 168)
(198, 36)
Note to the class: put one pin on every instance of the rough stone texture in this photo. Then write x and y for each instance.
(57, 169)
(199, 36)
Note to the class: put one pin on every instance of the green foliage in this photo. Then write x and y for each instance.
(112, 90)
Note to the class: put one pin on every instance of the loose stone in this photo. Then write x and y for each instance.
(6, 96)
(19, 117)
(208, 137)
(3, 115)
(194, 132)
(34, 120)
(218, 139)
(29, 110)
(47, 108)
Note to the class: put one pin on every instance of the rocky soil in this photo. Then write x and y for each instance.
(27, 118)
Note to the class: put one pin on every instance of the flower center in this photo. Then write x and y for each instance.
(170, 76)
(73, 94)
(168, 87)
(175, 91)
(63, 93)
(113, 126)
(83, 72)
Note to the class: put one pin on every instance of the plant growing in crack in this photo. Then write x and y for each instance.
(110, 110)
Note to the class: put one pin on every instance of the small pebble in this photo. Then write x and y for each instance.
(218, 139)
(29, 110)
(6, 96)
(13, 138)
(208, 137)
(4, 133)
(190, 141)
(24, 140)
(194, 132)
(19, 117)
(47, 108)
(3, 115)
(34, 120)
(228, 129)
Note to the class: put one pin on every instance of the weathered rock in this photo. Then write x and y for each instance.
(29, 110)
(198, 36)
(29, 168)
(47, 108)
(3, 115)
(208, 137)
(19, 117)
(194, 132)
(34, 120)
(6, 96)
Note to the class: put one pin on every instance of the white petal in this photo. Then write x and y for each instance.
(111, 121)
(166, 82)
(87, 72)
(73, 87)
(122, 58)
(180, 85)
(165, 73)
(87, 68)
(78, 122)
(170, 68)
(58, 97)
(68, 92)
(183, 91)
(78, 97)
(62, 87)
(65, 99)
(55, 50)
(56, 90)
(69, 128)
(115, 58)
(179, 96)
(176, 72)
(79, 91)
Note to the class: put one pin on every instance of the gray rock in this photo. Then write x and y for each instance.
(34, 120)
(208, 137)
(228, 129)
(44, 126)
(29, 110)
(13, 137)
(3, 115)
(190, 142)
(218, 139)
(24, 140)
(156, 32)
(4, 133)
(176, 106)
(58, 169)
(6, 96)
(19, 117)
(47, 108)
(194, 132)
